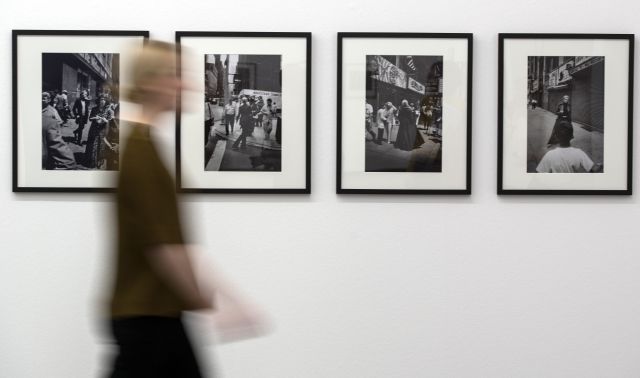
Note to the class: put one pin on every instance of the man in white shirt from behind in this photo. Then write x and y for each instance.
(565, 158)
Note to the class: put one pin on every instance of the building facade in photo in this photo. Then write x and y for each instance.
(580, 77)
(214, 79)
(403, 77)
(258, 72)
(74, 72)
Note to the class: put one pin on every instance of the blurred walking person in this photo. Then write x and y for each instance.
(155, 280)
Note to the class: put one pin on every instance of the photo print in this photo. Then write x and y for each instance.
(80, 111)
(565, 114)
(243, 112)
(403, 113)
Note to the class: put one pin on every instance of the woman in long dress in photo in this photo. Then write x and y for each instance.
(563, 111)
(100, 117)
(406, 137)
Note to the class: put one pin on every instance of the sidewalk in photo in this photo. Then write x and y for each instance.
(539, 126)
(425, 158)
(257, 139)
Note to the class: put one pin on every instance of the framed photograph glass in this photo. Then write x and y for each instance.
(77, 75)
(565, 111)
(404, 113)
(246, 126)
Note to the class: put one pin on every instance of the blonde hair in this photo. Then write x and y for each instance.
(148, 64)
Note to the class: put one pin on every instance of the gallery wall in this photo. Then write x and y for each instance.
(356, 286)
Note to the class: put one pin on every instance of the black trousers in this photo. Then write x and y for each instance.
(242, 139)
(78, 131)
(153, 347)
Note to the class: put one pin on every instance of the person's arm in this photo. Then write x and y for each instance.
(172, 264)
(587, 163)
(236, 316)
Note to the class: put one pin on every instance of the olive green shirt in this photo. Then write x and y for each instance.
(147, 216)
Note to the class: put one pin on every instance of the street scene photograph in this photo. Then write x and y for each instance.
(403, 113)
(243, 112)
(80, 111)
(565, 114)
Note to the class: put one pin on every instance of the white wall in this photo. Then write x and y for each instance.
(358, 286)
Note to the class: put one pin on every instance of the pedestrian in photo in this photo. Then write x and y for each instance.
(56, 154)
(81, 112)
(381, 122)
(368, 120)
(54, 105)
(267, 113)
(437, 121)
(406, 137)
(229, 116)
(100, 117)
(565, 158)
(425, 113)
(260, 104)
(391, 119)
(255, 112)
(62, 106)
(209, 122)
(279, 127)
(563, 112)
(237, 103)
(247, 124)
(415, 112)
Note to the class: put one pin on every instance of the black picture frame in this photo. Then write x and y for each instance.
(16, 35)
(501, 107)
(306, 187)
(341, 36)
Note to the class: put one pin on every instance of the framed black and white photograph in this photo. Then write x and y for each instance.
(245, 128)
(76, 77)
(565, 114)
(404, 113)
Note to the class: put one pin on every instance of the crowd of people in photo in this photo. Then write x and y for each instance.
(408, 118)
(248, 112)
(102, 141)
(561, 156)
